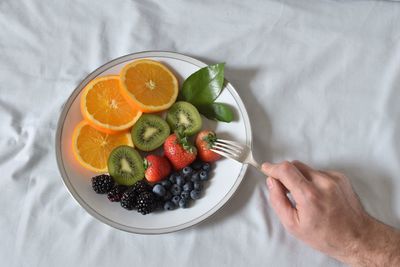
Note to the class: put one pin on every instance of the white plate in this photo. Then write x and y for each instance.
(225, 178)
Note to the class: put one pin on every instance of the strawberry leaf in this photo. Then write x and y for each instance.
(210, 139)
(182, 139)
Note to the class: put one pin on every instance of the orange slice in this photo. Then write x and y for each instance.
(91, 147)
(148, 85)
(104, 108)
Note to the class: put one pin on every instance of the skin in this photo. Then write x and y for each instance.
(328, 215)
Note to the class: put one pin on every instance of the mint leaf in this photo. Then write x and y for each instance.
(204, 86)
(217, 111)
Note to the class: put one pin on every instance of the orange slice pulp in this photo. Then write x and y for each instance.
(148, 85)
(104, 108)
(91, 147)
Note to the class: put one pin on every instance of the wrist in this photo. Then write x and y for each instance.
(378, 245)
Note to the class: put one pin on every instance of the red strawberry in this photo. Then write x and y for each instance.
(179, 151)
(204, 142)
(157, 168)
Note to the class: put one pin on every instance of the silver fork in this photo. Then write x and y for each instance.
(235, 151)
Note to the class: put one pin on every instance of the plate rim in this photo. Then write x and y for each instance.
(70, 188)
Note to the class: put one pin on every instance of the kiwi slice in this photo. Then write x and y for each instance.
(149, 132)
(185, 115)
(125, 165)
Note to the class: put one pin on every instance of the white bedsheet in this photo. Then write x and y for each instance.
(320, 79)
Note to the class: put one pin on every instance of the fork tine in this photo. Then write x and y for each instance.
(233, 143)
(239, 150)
(224, 154)
(227, 150)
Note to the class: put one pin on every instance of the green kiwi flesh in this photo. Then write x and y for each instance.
(125, 165)
(183, 114)
(149, 132)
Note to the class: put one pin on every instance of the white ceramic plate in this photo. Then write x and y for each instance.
(225, 178)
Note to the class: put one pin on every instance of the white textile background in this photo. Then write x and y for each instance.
(320, 79)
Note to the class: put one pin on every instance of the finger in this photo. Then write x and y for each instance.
(306, 170)
(346, 186)
(281, 204)
(289, 176)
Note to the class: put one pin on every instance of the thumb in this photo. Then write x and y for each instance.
(280, 203)
(265, 168)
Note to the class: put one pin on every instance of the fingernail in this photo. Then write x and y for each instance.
(270, 184)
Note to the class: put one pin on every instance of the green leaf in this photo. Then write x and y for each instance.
(204, 86)
(217, 111)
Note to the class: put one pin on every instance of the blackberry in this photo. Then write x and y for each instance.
(141, 186)
(128, 200)
(146, 202)
(103, 183)
(115, 194)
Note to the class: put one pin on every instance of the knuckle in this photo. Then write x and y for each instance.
(296, 161)
(286, 166)
(330, 185)
(341, 176)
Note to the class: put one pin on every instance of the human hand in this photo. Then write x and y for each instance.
(328, 215)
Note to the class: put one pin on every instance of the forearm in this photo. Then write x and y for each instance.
(329, 216)
(380, 247)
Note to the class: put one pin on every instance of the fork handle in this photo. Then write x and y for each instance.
(255, 164)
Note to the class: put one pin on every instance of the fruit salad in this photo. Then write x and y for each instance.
(149, 149)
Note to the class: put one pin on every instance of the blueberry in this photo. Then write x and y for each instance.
(206, 167)
(195, 177)
(185, 195)
(167, 196)
(159, 190)
(169, 205)
(172, 178)
(203, 175)
(197, 186)
(180, 180)
(197, 165)
(183, 203)
(175, 200)
(188, 186)
(187, 171)
(194, 194)
(166, 184)
(175, 189)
